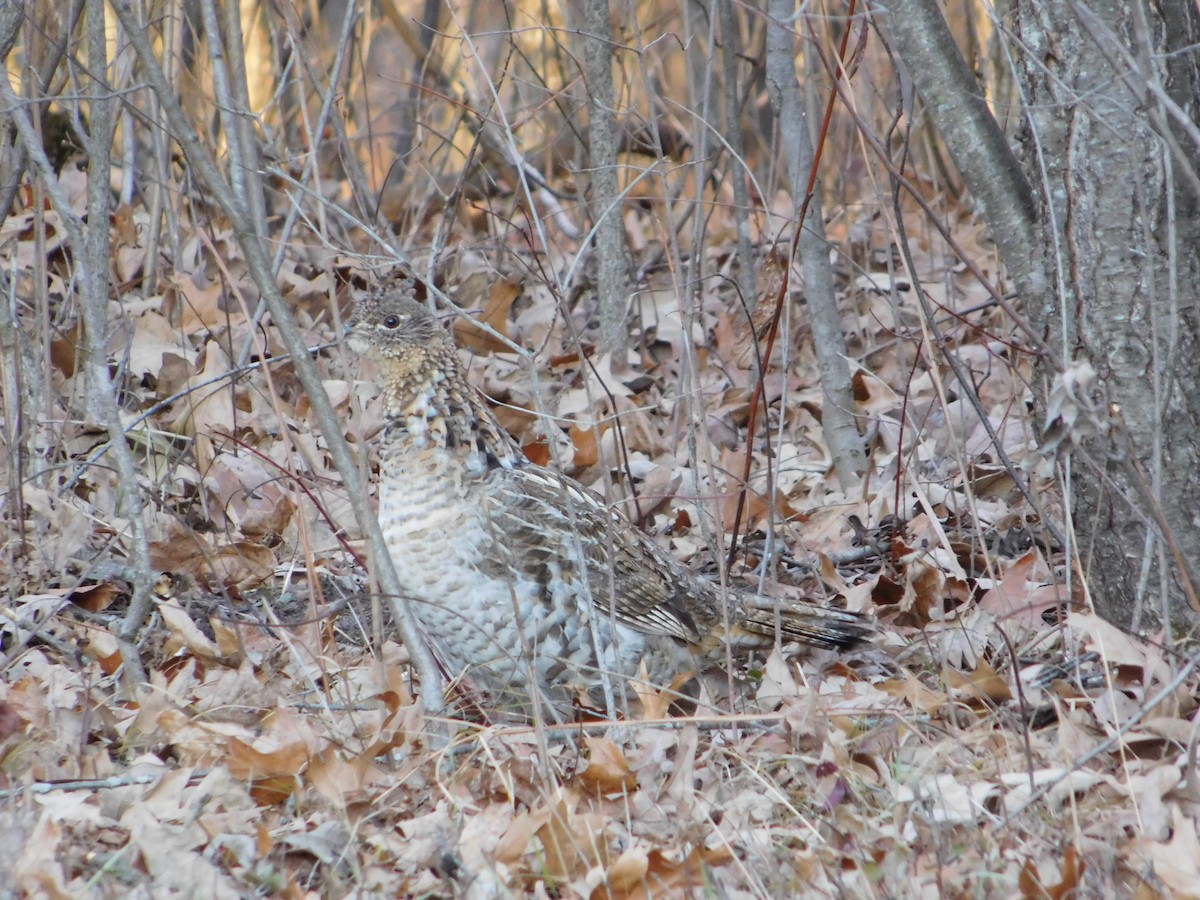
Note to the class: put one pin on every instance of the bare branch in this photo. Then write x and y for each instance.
(917, 32)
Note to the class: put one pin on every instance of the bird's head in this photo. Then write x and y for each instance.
(396, 331)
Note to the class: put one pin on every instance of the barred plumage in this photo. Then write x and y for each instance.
(523, 580)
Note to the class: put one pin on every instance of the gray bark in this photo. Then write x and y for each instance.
(955, 102)
(838, 423)
(94, 290)
(731, 45)
(12, 14)
(605, 196)
(1104, 259)
(1119, 232)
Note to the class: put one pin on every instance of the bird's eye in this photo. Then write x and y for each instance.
(391, 322)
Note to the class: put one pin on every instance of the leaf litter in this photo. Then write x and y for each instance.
(996, 736)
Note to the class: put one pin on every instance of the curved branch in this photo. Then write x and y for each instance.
(918, 34)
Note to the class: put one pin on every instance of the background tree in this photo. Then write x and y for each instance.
(1097, 224)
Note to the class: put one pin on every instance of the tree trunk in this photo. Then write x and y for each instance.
(1119, 231)
(1106, 267)
(596, 37)
(838, 424)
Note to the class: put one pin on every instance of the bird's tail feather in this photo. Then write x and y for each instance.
(818, 626)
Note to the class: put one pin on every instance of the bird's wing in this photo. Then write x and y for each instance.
(548, 522)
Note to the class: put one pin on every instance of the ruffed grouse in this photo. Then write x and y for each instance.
(524, 581)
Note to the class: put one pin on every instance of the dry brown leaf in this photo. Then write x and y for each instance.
(10, 721)
(873, 395)
(778, 683)
(659, 486)
(608, 770)
(1021, 599)
(184, 632)
(663, 876)
(246, 762)
(515, 840)
(262, 839)
(402, 724)
(981, 684)
(925, 589)
(1118, 647)
(38, 868)
(915, 694)
(537, 452)
(208, 410)
(153, 338)
(564, 855)
(273, 791)
(102, 647)
(1177, 861)
(65, 351)
(69, 530)
(249, 494)
(240, 563)
(227, 637)
(587, 451)
(626, 874)
(754, 510)
(201, 306)
(128, 253)
(496, 306)
(95, 597)
(343, 780)
(655, 704)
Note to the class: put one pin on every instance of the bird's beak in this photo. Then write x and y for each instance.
(354, 338)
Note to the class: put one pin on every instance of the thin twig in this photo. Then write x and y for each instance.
(88, 784)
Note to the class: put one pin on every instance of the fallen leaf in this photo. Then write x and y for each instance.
(664, 877)
(981, 684)
(95, 597)
(496, 306)
(915, 694)
(608, 770)
(586, 448)
(563, 853)
(516, 838)
(184, 632)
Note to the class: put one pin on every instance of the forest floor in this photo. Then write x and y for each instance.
(996, 738)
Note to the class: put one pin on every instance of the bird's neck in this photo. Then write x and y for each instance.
(442, 412)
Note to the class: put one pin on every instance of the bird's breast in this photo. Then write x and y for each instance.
(430, 517)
